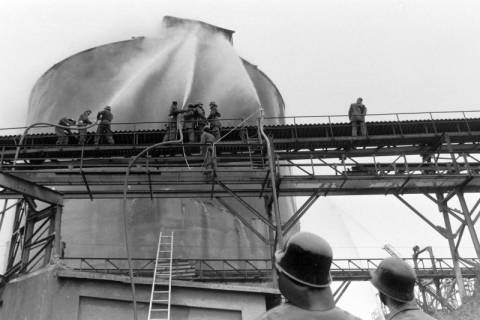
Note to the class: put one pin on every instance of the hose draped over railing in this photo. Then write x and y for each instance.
(276, 207)
(124, 208)
(37, 124)
(125, 192)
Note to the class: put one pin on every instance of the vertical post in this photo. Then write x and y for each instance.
(16, 234)
(57, 248)
(51, 231)
(421, 287)
(434, 268)
(271, 238)
(433, 123)
(27, 238)
(469, 222)
(452, 154)
(453, 251)
(276, 207)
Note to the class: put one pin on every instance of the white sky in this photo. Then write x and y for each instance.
(400, 56)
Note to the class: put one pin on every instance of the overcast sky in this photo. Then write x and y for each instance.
(400, 56)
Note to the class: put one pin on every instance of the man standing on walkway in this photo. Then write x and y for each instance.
(303, 269)
(105, 117)
(64, 132)
(207, 139)
(214, 120)
(83, 121)
(188, 123)
(171, 132)
(356, 114)
(395, 281)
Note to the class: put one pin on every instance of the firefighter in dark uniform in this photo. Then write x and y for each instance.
(206, 140)
(356, 114)
(303, 268)
(188, 123)
(171, 132)
(395, 281)
(64, 132)
(104, 130)
(194, 121)
(200, 120)
(82, 122)
(214, 120)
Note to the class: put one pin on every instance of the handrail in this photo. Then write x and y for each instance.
(462, 114)
(439, 266)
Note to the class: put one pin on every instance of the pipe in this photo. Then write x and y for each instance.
(124, 209)
(278, 221)
(20, 143)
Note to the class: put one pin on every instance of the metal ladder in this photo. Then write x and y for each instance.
(160, 299)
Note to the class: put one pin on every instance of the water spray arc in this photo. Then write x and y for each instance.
(161, 54)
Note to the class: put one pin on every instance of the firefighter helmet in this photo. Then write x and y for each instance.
(306, 259)
(394, 278)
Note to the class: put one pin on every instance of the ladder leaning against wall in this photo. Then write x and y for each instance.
(160, 298)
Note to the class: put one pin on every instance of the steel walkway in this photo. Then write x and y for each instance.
(323, 158)
(258, 270)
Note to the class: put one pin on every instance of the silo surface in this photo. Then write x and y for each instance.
(190, 61)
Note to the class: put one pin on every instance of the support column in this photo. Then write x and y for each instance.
(469, 222)
(271, 238)
(276, 207)
(57, 244)
(453, 251)
(27, 238)
(420, 287)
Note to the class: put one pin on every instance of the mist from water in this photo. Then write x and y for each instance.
(158, 58)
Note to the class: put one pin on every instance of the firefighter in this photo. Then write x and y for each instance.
(199, 120)
(82, 122)
(213, 119)
(206, 140)
(171, 132)
(105, 117)
(188, 119)
(395, 281)
(356, 114)
(64, 132)
(303, 269)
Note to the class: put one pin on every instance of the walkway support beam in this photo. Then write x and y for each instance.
(442, 207)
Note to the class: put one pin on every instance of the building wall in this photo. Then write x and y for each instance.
(70, 296)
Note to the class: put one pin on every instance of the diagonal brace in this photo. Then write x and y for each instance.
(242, 219)
(301, 211)
(420, 215)
(246, 205)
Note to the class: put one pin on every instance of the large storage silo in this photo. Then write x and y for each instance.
(190, 62)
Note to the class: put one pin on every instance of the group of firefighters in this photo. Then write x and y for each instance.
(104, 131)
(197, 126)
(195, 123)
(303, 276)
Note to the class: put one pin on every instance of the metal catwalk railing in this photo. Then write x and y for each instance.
(332, 126)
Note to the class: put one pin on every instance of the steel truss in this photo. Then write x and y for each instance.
(35, 239)
(258, 270)
(448, 294)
